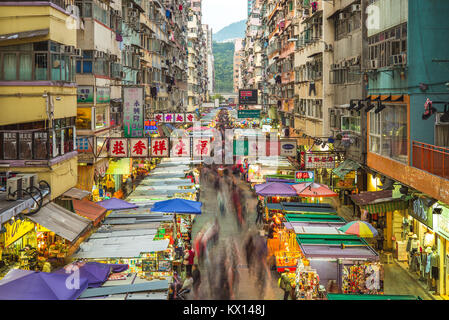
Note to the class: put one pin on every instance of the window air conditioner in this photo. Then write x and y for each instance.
(373, 64)
(29, 180)
(78, 52)
(14, 188)
(438, 121)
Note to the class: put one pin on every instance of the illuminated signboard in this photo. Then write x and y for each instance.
(304, 176)
(247, 97)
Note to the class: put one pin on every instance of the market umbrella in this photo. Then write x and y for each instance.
(313, 189)
(178, 206)
(273, 189)
(95, 272)
(116, 204)
(359, 228)
(36, 285)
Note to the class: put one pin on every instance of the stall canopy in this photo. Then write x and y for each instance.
(335, 246)
(345, 167)
(76, 193)
(296, 207)
(35, 285)
(96, 273)
(116, 204)
(274, 189)
(317, 218)
(341, 296)
(379, 201)
(178, 206)
(89, 210)
(61, 221)
(313, 189)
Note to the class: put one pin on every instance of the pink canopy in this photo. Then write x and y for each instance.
(199, 128)
(312, 189)
(275, 189)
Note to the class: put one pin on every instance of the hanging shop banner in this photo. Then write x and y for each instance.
(139, 147)
(201, 147)
(304, 176)
(160, 147)
(118, 148)
(179, 117)
(288, 148)
(442, 227)
(190, 117)
(103, 95)
(169, 117)
(244, 114)
(159, 117)
(133, 112)
(150, 127)
(180, 147)
(17, 230)
(247, 97)
(85, 94)
(316, 161)
(273, 148)
(421, 212)
(241, 147)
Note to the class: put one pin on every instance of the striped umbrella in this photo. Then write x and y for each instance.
(359, 228)
(314, 190)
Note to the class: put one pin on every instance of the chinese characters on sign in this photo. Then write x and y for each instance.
(82, 144)
(139, 147)
(169, 117)
(190, 117)
(304, 176)
(320, 161)
(201, 147)
(103, 95)
(133, 112)
(179, 117)
(159, 147)
(180, 147)
(118, 148)
(159, 117)
(173, 117)
(85, 94)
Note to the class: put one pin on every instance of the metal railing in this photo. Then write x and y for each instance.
(430, 158)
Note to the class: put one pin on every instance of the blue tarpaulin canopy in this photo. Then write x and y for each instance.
(178, 206)
(35, 285)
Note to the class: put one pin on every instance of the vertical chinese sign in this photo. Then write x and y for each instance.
(133, 112)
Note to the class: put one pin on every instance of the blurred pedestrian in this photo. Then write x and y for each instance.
(196, 274)
(259, 219)
(189, 255)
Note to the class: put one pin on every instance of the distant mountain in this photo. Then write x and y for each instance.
(231, 32)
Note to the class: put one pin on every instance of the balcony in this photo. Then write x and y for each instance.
(430, 158)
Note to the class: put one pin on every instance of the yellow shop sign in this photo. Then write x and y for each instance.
(17, 230)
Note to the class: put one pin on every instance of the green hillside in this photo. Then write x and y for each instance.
(224, 66)
(234, 30)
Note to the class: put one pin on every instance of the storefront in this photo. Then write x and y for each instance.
(441, 227)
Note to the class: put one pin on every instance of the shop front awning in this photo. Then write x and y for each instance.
(76, 193)
(89, 210)
(61, 221)
(379, 201)
(316, 218)
(345, 167)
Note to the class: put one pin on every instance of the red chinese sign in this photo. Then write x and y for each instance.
(139, 147)
(180, 147)
(179, 117)
(169, 117)
(190, 117)
(159, 117)
(118, 148)
(159, 147)
(320, 161)
(201, 147)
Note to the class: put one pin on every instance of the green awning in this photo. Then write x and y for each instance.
(345, 167)
(330, 239)
(313, 217)
(340, 296)
(386, 206)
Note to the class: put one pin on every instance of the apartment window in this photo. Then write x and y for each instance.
(84, 118)
(388, 132)
(350, 123)
(31, 62)
(101, 117)
(344, 26)
(85, 8)
(389, 47)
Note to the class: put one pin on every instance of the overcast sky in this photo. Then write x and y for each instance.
(220, 13)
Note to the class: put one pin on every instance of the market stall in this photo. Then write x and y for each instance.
(346, 260)
(339, 296)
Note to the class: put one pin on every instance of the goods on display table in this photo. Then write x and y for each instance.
(363, 278)
(307, 282)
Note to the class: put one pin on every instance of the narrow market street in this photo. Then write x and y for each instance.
(247, 289)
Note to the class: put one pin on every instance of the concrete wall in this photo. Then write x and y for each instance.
(390, 13)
